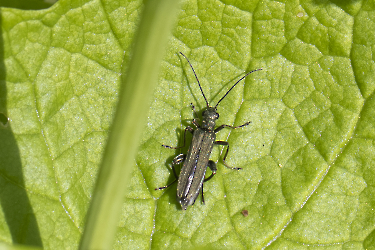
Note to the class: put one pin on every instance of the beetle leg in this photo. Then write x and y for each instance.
(202, 195)
(177, 160)
(228, 126)
(195, 120)
(197, 196)
(212, 166)
(188, 128)
(166, 186)
(225, 143)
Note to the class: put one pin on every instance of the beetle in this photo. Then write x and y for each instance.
(197, 159)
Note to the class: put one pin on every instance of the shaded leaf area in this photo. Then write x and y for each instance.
(27, 5)
(307, 158)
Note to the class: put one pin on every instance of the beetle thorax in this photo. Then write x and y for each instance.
(209, 117)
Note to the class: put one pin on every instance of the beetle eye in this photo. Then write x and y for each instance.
(217, 116)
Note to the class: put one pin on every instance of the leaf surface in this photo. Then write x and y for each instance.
(307, 157)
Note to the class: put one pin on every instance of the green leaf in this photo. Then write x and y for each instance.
(307, 158)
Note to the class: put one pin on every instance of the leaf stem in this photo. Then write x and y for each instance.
(136, 91)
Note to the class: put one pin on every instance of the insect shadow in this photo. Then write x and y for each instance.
(171, 192)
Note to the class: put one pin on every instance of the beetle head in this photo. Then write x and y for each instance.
(209, 118)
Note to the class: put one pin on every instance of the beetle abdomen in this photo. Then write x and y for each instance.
(194, 168)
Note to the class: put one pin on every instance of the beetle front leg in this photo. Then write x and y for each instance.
(188, 128)
(196, 119)
(177, 160)
(225, 143)
(228, 126)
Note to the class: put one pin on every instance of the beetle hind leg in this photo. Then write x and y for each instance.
(212, 166)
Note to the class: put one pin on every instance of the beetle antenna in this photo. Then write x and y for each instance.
(235, 85)
(191, 66)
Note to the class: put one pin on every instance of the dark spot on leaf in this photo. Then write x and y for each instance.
(245, 213)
